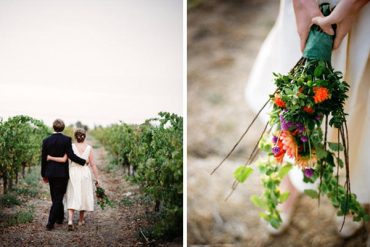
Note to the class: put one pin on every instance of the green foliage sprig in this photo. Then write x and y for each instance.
(102, 198)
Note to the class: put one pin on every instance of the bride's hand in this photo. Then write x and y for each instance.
(65, 158)
(344, 14)
(305, 11)
(343, 27)
(57, 159)
(324, 23)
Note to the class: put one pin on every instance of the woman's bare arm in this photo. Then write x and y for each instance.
(93, 166)
(58, 159)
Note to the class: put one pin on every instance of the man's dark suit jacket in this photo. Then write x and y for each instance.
(57, 145)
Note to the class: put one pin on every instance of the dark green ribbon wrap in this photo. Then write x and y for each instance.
(319, 44)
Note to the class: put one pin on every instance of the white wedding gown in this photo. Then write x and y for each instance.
(80, 190)
(279, 53)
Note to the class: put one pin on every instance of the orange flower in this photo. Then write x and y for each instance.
(321, 94)
(308, 109)
(289, 144)
(306, 161)
(280, 155)
(278, 101)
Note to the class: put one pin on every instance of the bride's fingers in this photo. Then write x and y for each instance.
(323, 24)
(328, 29)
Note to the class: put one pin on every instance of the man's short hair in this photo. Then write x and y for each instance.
(58, 125)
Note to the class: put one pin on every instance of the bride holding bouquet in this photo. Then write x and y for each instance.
(282, 49)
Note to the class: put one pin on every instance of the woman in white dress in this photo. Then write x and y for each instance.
(282, 49)
(80, 189)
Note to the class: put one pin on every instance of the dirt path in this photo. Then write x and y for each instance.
(117, 226)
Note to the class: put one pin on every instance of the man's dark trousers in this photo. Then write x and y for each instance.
(58, 187)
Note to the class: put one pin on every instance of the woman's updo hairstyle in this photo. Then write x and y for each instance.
(80, 135)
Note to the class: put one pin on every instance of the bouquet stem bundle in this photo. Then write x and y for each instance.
(310, 96)
(102, 198)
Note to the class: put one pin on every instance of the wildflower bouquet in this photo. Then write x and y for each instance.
(310, 96)
(102, 198)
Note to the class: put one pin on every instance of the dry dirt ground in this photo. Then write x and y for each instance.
(117, 226)
(223, 40)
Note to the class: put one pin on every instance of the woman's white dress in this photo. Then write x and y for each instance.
(80, 189)
(279, 53)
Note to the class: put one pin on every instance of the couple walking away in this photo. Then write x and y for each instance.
(72, 179)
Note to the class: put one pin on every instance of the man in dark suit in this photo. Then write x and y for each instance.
(56, 174)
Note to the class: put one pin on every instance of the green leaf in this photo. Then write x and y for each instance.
(284, 170)
(283, 197)
(340, 163)
(344, 207)
(318, 70)
(265, 147)
(242, 173)
(275, 223)
(263, 216)
(311, 193)
(258, 202)
(367, 218)
(320, 152)
(335, 146)
(288, 91)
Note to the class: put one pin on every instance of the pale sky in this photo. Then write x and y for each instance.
(97, 61)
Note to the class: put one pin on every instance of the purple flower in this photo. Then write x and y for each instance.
(289, 124)
(308, 172)
(284, 124)
(319, 117)
(300, 127)
(274, 139)
(304, 138)
(275, 150)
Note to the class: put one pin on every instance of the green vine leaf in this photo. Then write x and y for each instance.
(258, 202)
(275, 223)
(335, 146)
(320, 152)
(311, 193)
(283, 197)
(284, 170)
(242, 173)
(319, 69)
